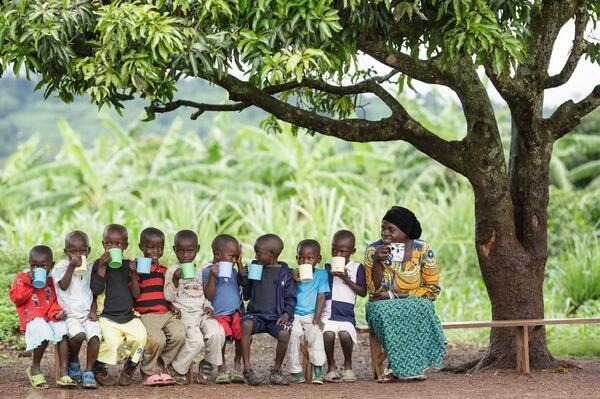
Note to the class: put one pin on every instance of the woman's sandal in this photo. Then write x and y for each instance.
(332, 376)
(66, 382)
(388, 376)
(37, 381)
(88, 381)
(153, 380)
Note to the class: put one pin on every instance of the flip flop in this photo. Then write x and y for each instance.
(74, 371)
(236, 377)
(88, 381)
(66, 382)
(153, 380)
(332, 376)
(37, 381)
(167, 379)
(349, 375)
(223, 378)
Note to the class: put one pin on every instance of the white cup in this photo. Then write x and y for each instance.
(82, 270)
(397, 251)
(338, 264)
(306, 272)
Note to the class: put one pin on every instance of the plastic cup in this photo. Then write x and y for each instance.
(39, 277)
(397, 251)
(188, 270)
(255, 271)
(143, 265)
(116, 257)
(338, 264)
(82, 270)
(225, 269)
(306, 272)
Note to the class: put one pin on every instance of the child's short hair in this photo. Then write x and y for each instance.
(308, 243)
(221, 240)
(40, 251)
(76, 235)
(271, 241)
(344, 235)
(151, 232)
(117, 228)
(185, 235)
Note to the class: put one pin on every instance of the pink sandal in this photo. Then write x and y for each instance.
(166, 379)
(153, 380)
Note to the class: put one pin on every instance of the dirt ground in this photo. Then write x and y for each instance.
(574, 383)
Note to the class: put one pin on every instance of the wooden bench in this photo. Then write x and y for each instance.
(521, 337)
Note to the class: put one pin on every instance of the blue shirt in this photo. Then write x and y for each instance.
(307, 292)
(227, 298)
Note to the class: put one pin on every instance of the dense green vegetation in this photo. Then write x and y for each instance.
(307, 186)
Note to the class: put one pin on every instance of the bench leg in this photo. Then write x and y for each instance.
(377, 355)
(307, 367)
(522, 349)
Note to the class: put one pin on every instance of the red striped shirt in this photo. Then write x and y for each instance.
(152, 295)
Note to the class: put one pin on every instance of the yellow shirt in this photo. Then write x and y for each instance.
(417, 276)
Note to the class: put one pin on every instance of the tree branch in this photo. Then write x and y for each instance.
(400, 126)
(201, 107)
(577, 51)
(569, 114)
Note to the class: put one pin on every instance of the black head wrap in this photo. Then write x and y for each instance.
(405, 220)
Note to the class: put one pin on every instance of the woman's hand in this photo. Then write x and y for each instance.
(379, 296)
(382, 253)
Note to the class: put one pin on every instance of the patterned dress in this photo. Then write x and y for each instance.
(409, 330)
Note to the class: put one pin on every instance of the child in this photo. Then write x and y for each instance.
(224, 294)
(340, 305)
(115, 289)
(41, 317)
(188, 296)
(307, 320)
(166, 332)
(270, 308)
(75, 297)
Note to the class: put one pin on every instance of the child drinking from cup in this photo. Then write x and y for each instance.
(166, 332)
(115, 286)
(309, 307)
(224, 293)
(185, 291)
(72, 283)
(339, 316)
(270, 308)
(40, 316)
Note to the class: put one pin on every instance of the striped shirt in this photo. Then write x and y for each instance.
(152, 295)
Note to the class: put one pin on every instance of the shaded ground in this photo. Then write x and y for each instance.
(574, 383)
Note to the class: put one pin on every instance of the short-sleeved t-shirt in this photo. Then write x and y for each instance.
(76, 300)
(307, 291)
(227, 298)
(340, 304)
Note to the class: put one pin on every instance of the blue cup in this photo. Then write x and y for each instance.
(255, 271)
(39, 277)
(143, 265)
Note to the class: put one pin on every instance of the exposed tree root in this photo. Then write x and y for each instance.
(567, 364)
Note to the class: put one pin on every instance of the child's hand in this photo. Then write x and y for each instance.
(209, 311)
(104, 259)
(61, 315)
(342, 275)
(283, 319)
(238, 260)
(133, 266)
(214, 270)
(176, 311)
(75, 262)
(319, 323)
(177, 276)
(296, 275)
(92, 316)
(243, 270)
(30, 274)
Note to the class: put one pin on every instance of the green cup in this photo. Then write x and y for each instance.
(188, 270)
(116, 257)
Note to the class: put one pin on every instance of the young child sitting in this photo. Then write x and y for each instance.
(40, 317)
(203, 333)
(115, 288)
(166, 332)
(307, 319)
(224, 294)
(270, 308)
(339, 312)
(72, 283)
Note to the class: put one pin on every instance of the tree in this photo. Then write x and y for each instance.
(299, 60)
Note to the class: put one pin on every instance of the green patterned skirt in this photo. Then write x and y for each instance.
(410, 333)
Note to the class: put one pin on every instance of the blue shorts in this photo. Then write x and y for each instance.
(262, 324)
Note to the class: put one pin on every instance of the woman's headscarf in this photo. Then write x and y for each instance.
(405, 220)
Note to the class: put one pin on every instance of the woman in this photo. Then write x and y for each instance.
(403, 285)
